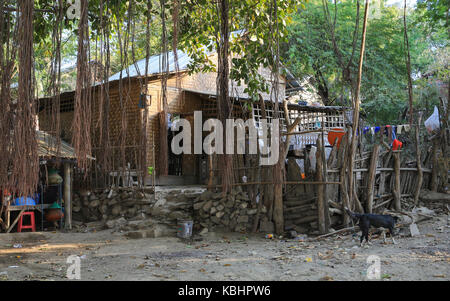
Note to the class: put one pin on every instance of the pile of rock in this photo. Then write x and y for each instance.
(174, 204)
(108, 204)
(232, 212)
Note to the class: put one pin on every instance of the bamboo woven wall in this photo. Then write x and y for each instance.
(180, 102)
(130, 103)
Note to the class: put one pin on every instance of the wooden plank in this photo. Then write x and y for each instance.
(383, 169)
(15, 221)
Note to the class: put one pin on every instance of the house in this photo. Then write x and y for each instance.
(186, 93)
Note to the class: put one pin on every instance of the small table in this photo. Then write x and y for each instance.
(7, 209)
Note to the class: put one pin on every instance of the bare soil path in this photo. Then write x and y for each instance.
(107, 255)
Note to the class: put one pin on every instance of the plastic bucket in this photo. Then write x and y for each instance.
(184, 229)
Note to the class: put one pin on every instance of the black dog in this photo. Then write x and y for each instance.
(367, 220)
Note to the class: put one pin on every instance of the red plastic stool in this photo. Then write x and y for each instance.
(20, 227)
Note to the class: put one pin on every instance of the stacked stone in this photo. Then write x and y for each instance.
(232, 212)
(103, 205)
(174, 206)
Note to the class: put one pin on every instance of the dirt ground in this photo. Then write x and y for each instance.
(105, 255)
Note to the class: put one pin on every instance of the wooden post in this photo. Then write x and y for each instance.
(342, 163)
(419, 163)
(434, 171)
(324, 178)
(8, 213)
(211, 173)
(320, 190)
(397, 196)
(154, 164)
(371, 178)
(68, 195)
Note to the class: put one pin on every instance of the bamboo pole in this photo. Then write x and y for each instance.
(371, 179)
(284, 183)
(397, 193)
(320, 190)
(356, 101)
(343, 176)
(434, 170)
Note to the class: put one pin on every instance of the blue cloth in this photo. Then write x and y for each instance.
(26, 201)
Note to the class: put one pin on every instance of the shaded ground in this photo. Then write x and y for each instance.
(224, 256)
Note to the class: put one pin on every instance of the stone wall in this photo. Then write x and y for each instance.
(232, 212)
(104, 205)
(126, 210)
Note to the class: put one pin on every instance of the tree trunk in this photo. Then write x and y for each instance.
(356, 102)
(223, 100)
(164, 145)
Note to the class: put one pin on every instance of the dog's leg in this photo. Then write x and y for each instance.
(367, 238)
(391, 231)
(384, 236)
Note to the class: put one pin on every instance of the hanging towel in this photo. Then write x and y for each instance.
(399, 129)
(406, 127)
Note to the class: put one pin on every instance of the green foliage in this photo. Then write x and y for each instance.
(435, 12)
(113, 11)
(304, 39)
(253, 45)
(384, 79)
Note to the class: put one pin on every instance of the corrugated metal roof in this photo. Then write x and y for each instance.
(154, 65)
(155, 62)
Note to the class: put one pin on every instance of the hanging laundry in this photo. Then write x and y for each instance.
(388, 133)
(394, 136)
(396, 144)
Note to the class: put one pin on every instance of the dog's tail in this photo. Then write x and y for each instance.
(353, 215)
